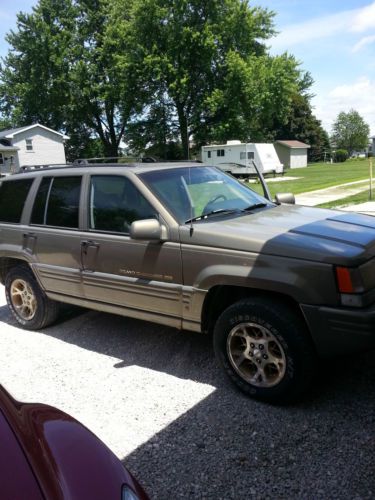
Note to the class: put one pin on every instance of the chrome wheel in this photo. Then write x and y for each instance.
(23, 299)
(256, 354)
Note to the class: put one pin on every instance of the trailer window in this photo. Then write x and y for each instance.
(250, 155)
(208, 154)
(220, 152)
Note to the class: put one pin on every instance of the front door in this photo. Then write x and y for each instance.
(142, 277)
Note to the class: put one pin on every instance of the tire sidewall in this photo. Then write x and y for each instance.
(25, 275)
(283, 332)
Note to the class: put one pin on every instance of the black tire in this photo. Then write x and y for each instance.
(284, 338)
(41, 312)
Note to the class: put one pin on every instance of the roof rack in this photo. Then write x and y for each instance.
(28, 168)
(111, 159)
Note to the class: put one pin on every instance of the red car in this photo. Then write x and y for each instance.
(46, 454)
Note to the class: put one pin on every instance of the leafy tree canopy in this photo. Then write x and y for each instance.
(350, 131)
(154, 73)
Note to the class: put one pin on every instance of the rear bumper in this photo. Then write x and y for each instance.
(337, 331)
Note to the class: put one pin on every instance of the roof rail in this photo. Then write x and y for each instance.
(28, 168)
(114, 159)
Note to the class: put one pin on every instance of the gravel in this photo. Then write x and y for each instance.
(158, 399)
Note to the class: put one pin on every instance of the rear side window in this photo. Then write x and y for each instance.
(13, 195)
(57, 202)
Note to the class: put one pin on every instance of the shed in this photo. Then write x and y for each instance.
(30, 145)
(292, 154)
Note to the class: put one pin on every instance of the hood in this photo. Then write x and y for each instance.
(316, 234)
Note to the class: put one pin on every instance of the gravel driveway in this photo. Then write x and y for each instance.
(160, 402)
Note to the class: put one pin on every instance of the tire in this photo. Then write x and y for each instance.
(28, 303)
(265, 349)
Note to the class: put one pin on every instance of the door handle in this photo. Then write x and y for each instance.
(88, 243)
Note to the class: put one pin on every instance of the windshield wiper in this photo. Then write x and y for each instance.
(254, 207)
(213, 212)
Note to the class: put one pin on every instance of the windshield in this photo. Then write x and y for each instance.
(193, 192)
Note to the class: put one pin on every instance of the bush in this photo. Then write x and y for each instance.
(341, 155)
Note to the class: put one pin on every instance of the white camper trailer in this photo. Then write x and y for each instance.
(237, 158)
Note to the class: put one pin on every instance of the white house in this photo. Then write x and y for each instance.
(30, 145)
(293, 154)
(237, 158)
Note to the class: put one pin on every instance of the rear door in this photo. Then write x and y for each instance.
(53, 235)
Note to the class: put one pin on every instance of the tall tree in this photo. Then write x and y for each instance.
(186, 47)
(61, 71)
(350, 131)
(302, 125)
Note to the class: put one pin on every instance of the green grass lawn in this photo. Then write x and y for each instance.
(319, 176)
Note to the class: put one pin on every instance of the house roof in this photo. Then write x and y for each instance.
(11, 132)
(294, 144)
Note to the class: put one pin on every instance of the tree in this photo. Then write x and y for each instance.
(187, 47)
(350, 132)
(61, 71)
(302, 125)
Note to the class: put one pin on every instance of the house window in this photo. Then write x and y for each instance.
(208, 154)
(220, 152)
(29, 145)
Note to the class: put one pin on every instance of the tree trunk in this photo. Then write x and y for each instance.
(184, 131)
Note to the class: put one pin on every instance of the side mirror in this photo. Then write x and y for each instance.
(148, 229)
(287, 198)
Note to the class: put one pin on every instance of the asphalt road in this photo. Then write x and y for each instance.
(159, 400)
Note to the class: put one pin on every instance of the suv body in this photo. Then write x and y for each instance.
(187, 246)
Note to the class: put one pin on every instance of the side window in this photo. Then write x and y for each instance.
(13, 195)
(220, 152)
(250, 155)
(57, 202)
(29, 145)
(208, 154)
(115, 203)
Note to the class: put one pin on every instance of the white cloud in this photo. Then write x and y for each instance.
(347, 21)
(364, 19)
(321, 27)
(367, 40)
(358, 95)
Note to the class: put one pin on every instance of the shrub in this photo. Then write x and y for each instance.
(341, 155)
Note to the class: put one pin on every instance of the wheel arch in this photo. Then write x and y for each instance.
(220, 297)
(8, 263)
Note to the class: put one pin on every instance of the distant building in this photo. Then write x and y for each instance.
(30, 145)
(292, 154)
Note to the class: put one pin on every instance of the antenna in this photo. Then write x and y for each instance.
(192, 208)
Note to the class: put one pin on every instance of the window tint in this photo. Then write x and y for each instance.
(115, 203)
(12, 199)
(63, 202)
(38, 213)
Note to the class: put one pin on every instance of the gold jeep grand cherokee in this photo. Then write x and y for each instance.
(277, 286)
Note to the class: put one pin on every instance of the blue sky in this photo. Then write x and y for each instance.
(335, 42)
(333, 39)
